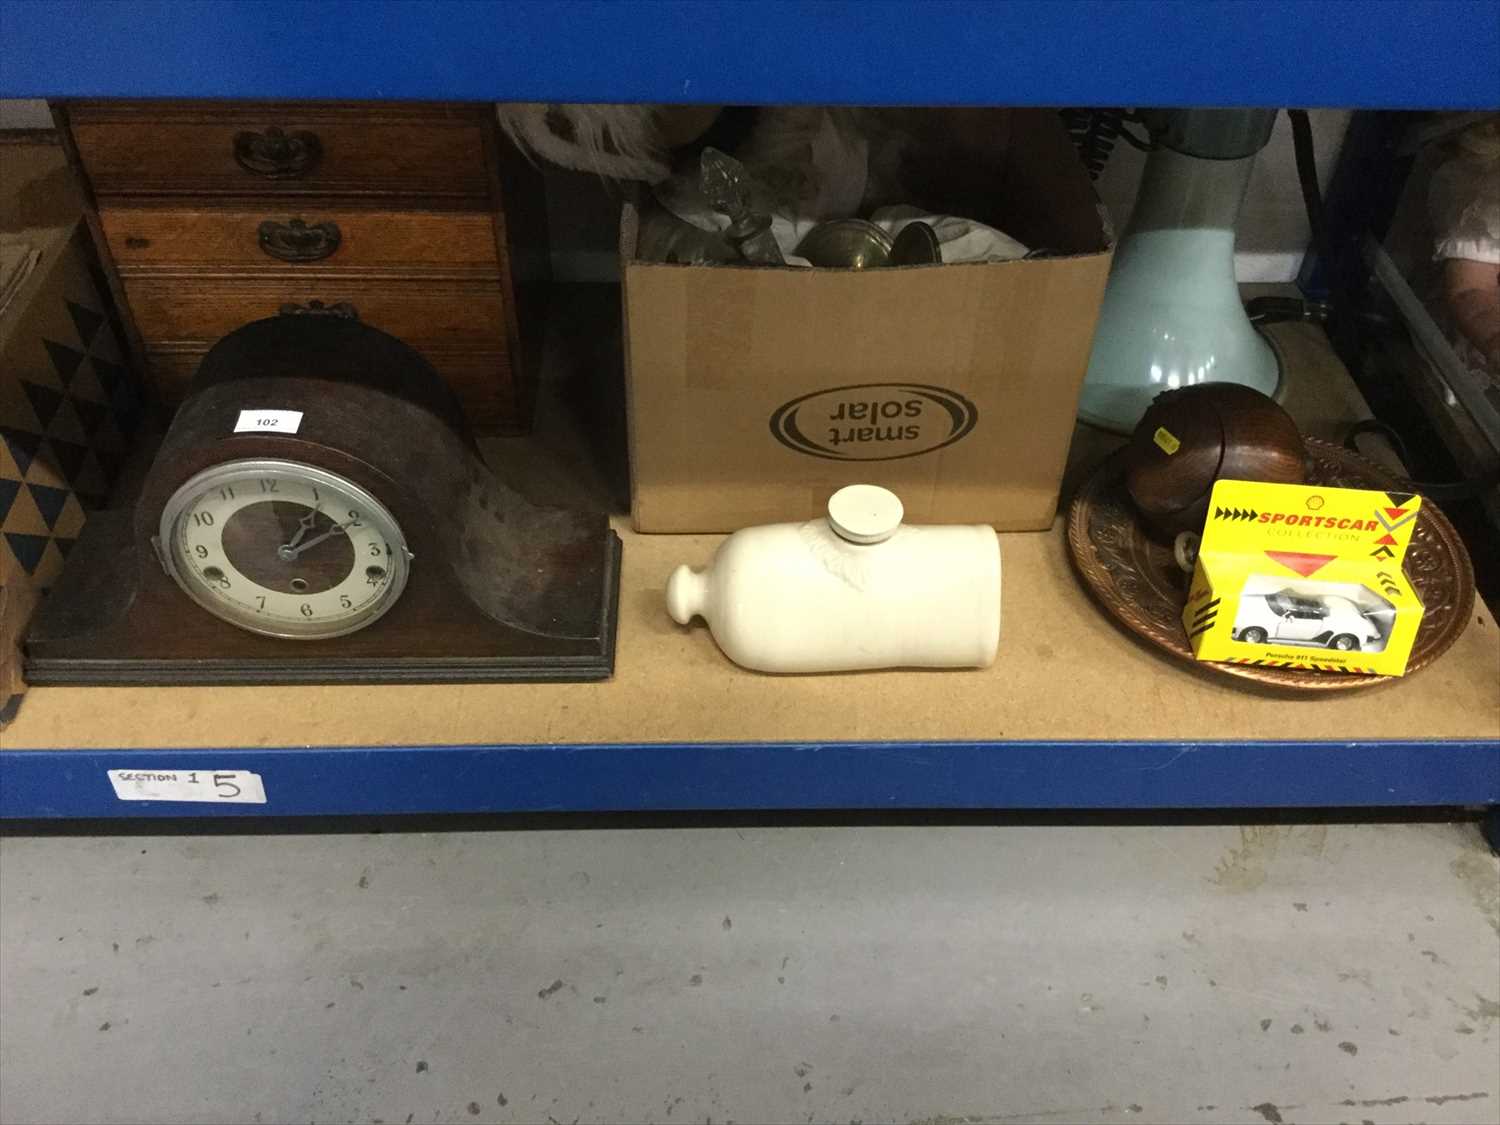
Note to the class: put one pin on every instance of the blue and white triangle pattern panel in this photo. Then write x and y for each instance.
(69, 408)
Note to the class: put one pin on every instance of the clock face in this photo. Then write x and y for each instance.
(284, 549)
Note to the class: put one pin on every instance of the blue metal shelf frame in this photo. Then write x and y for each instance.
(1357, 54)
(1353, 53)
(656, 777)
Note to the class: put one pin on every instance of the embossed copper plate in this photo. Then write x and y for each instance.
(1137, 581)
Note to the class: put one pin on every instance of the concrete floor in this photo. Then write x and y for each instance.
(960, 974)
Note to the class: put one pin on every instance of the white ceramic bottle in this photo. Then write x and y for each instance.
(856, 590)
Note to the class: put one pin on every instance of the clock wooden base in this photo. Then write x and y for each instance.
(95, 629)
(499, 589)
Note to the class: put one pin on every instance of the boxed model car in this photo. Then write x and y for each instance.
(1305, 576)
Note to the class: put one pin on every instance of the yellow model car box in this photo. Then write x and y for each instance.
(1302, 576)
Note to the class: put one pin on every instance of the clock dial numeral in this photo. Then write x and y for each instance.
(269, 486)
(216, 576)
(226, 493)
(203, 519)
(201, 551)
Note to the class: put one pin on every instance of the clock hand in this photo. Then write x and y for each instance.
(293, 552)
(304, 525)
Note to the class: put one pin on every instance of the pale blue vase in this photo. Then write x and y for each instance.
(1172, 315)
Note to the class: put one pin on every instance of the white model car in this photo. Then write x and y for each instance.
(1328, 621)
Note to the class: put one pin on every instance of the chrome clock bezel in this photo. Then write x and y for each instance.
(226, 472)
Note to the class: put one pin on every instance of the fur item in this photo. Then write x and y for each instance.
(621, 142)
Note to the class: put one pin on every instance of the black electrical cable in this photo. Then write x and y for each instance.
(1307, 177)
(1443, 492)
(1274, 310)
(1134, 141)
(1095, 131)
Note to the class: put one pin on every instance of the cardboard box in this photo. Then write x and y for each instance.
(754, 393)
(68, 404)
(1303, 576)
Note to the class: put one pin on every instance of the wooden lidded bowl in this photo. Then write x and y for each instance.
(1194, 436)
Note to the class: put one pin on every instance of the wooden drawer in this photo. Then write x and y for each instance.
(483, 382)
(458, 315)
(157, 239)
(179, 192)
(178, 148)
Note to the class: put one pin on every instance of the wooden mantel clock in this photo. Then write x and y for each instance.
(319, 513)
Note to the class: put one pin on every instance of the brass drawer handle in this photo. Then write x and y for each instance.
(278, 155)
(296, 241)
(317, 308)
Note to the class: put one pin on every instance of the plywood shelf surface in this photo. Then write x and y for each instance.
(1064, 672)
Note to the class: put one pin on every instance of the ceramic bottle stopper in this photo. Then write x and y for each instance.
(856, 590)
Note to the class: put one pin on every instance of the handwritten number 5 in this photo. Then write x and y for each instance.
(223, 781)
